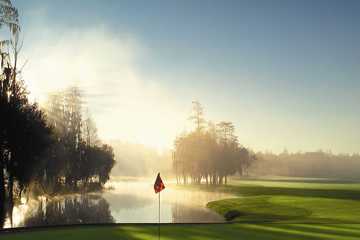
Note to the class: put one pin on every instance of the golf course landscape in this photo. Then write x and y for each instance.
(179, 120)
(264, 209)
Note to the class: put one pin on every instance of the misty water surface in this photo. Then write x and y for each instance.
(125, 202)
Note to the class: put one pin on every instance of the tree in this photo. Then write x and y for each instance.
(33, 147)
(90, 131)
(24, 133)
(9, 18)
(73, 136)
(197, 116)
(77, 157)
(30, 138)
(106, 163)
(210, 154)
(229, 147)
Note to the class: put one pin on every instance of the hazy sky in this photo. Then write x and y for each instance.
(287, 73)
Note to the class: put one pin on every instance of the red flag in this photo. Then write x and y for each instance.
(159, 185)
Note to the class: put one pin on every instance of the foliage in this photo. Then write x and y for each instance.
(24, 133)
(77, 157)
(34, 148)
(210, 154)
(317, 164)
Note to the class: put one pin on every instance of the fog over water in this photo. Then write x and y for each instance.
(124, 202)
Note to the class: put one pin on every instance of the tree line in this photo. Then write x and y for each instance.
(210, 153)
(317, 164)
(52, 150)
(77, 158)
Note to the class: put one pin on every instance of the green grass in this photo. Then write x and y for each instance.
(294, 202)
(285, 209)
(268, 210)
(199, 232)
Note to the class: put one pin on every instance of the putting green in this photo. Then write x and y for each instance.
(289, 202)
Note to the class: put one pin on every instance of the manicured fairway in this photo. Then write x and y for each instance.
(268, 210)
(291, 202)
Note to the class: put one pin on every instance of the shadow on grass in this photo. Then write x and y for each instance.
(196, 232)
(321, 229)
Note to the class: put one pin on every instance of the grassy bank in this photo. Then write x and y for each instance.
(291, 202)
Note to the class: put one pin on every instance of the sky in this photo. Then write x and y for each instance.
(286, 73)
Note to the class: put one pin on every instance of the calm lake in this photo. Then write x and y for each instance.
(124, 202)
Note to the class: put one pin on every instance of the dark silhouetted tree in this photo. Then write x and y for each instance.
(24, 134)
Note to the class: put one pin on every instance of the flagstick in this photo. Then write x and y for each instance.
(159, 217)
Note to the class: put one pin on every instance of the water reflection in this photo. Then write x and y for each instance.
(2, 215)
(135, 202)
(70, 210)
(127, 202)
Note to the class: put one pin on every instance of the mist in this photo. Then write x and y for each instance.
(317, 164)
(137, 160)
(104, 66)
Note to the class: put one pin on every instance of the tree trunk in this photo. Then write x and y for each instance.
(11, 197)
(2, 183)
(2, 195)
(240, 171)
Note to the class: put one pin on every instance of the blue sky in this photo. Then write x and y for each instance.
(285, 72)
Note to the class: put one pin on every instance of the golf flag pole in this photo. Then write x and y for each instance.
(158, 187)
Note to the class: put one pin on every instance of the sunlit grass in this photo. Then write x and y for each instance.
(199, 232)
(272, 201)
(300, 184)
(290, 209)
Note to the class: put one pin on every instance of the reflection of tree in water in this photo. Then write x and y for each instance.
(70, 210)
(2, 215)
(186, 214)
(128, 201)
